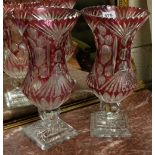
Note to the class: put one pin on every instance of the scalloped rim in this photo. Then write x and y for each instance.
(74, 11)
(30, 10)
(84, 12)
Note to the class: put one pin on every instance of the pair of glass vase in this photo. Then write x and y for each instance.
(48, 83)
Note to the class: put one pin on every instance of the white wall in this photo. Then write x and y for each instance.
(142, 49)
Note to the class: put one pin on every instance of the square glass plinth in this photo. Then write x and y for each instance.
(15, 98)
(46, 134)
(108, 124)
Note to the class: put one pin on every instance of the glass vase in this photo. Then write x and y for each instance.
(112, 78)
(15, 58)
(48, 83)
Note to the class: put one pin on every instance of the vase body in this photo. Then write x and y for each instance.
(48, 83)
(112, 78)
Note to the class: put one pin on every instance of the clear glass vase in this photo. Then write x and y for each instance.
(48, 83)
(112, 78)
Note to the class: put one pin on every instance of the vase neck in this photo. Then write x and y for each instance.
(113, 52)
(46, 55)
(123, 54)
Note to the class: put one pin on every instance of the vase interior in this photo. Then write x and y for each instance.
(122, 21)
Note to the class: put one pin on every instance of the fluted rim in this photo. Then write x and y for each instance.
(44, 14)
(31, 14)
(9, 7)
(94, 11)
(48, 3)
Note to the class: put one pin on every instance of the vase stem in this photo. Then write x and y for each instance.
(49, 116)
(107, 107)
(115, 107)
(15, 83)
(104, 106)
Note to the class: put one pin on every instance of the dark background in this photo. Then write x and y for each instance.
(82, 32)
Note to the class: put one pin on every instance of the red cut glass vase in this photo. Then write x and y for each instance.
(48, 83)
(112, 78)
(15, 56)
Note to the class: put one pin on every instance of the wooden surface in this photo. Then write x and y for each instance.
(138, 108)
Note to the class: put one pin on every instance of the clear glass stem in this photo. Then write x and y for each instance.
(108, 107)
(16, 83)
(115, 107)
(104, 106)
(49, 116)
